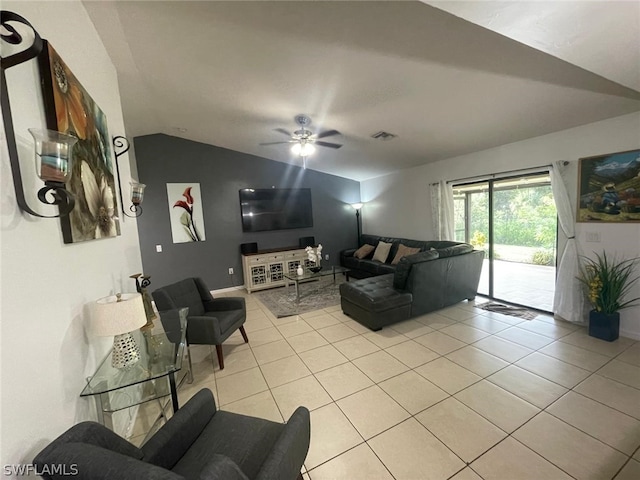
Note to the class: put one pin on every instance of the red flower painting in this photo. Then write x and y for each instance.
(186, 219)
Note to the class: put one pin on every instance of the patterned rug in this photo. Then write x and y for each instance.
(507, 310)
(314, 295)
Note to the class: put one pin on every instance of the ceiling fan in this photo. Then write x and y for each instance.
(303, 139)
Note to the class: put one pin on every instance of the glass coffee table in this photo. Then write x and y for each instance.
(308, 275)
(154, 377)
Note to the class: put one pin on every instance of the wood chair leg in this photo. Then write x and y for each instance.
(220, 356)
(244, 334)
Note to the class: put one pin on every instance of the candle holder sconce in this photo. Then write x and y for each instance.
(53, 150)
(121, 146)
(142, 282)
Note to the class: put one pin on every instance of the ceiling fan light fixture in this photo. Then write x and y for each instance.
(303, 149)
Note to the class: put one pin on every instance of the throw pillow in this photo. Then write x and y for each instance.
(404, 251)
(364, 251)
(382, 251)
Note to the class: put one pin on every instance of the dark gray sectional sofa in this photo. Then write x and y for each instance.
(442, 274)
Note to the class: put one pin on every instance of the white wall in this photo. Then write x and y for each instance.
(46, 286)
(399, 204)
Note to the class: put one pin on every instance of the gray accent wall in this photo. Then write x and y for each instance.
(221, 173)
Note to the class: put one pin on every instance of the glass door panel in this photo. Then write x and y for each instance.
(471, 210)
(514, 221)
(524, 237)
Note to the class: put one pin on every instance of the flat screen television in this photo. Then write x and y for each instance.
(275, 208)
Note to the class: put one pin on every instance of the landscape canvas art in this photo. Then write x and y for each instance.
(609, 188)
(70, 109)
(185, 211)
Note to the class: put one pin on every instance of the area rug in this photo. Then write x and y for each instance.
(314, 295)
(507, 310)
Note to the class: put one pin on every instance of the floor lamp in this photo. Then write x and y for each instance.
(357, 207)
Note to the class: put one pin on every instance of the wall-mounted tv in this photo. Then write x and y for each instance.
(275, 208)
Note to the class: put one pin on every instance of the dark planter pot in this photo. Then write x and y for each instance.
(604, 326)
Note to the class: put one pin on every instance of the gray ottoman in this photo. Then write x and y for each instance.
(374, 303)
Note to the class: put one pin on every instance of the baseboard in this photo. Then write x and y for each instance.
(629, 334)
(228, 289)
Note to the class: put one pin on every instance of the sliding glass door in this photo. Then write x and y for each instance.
(514, 221)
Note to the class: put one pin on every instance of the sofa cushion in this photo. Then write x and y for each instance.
(375, 294)
(404, 266)
(403, 251)
(350, 262)
(454, 250)
(382, 251)
(384, 268)
(364, 251)
(369, 266)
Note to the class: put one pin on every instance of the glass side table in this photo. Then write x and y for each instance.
(151, 378)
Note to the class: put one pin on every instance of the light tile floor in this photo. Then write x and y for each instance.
(458, 394)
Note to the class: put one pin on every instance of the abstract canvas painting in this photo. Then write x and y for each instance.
(70, 109)
(185, 211)
(609, 188)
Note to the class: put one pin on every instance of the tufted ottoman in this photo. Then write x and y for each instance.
(374, 303)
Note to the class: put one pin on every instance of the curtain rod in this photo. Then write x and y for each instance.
(501, 174)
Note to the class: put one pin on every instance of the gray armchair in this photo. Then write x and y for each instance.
(210, 321)
(198, 442)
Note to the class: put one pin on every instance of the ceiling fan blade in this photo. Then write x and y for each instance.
(327, 133)
(282, 130)
(276, 143)
(328, 144)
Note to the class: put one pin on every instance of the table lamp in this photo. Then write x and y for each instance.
(119, 315)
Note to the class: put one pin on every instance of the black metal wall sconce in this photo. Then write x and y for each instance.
(53, 150)
(121, 146)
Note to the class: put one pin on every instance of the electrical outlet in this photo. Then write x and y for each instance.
(593, 237)
(158, 248)
(230, 271)
(326, 257)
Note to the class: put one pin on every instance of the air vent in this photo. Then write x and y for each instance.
(382, 135)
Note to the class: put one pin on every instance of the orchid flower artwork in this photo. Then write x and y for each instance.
(186, 213)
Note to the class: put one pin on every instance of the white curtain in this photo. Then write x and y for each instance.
(442, 210)
(568, 300)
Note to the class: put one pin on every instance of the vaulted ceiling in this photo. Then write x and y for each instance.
(447, 78)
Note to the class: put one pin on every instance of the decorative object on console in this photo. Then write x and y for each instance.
(609, 188)
(142, 282)
(187, 221)
(118, 316)
(247, 248)
(53, 149)
(315, 256)
(300, 270)
(607, 282)
(70, 109)
(137, 189)
(357, 207)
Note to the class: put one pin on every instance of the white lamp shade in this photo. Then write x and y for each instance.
(110, 317)
(357, 206)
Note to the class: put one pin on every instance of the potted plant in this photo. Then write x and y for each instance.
(608, 283)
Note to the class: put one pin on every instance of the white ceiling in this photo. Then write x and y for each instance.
(228, 73)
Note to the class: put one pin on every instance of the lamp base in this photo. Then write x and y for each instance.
(125, 351)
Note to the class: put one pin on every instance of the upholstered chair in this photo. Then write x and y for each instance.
(210, 321)
(198, 443)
